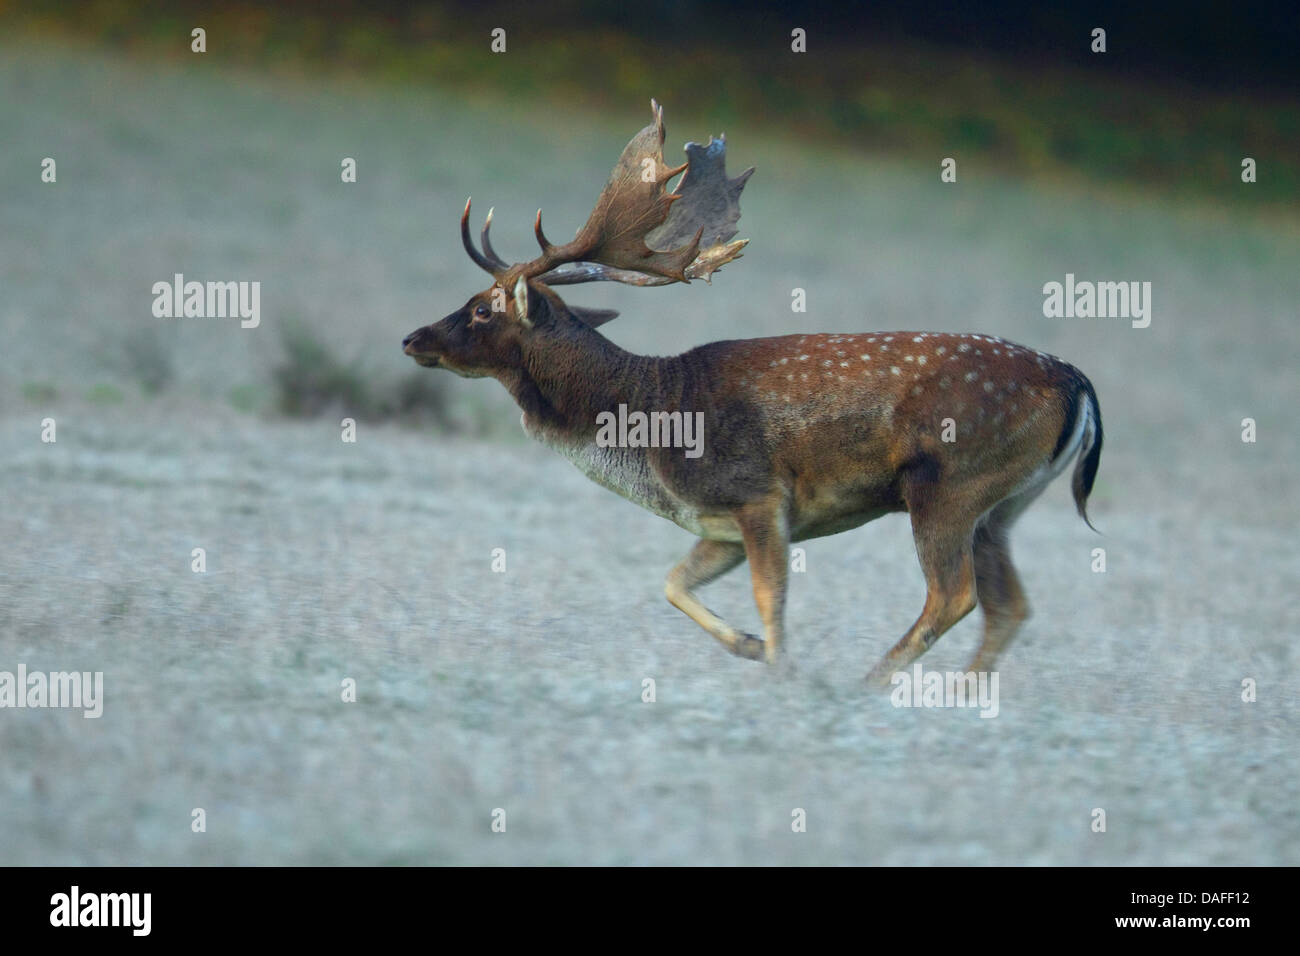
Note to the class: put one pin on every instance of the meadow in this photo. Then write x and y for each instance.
(522, 690)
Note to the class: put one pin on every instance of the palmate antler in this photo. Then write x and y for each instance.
(638, 232)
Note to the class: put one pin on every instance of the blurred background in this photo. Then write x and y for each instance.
(236, 153)
(523, 690)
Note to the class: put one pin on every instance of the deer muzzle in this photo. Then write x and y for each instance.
(415, 345)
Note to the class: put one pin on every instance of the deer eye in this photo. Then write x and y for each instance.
(481, 312)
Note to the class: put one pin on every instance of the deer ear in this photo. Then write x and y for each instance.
(521, 301)
(595, 318)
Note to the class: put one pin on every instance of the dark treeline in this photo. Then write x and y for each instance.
(1179, 97)
(1231, 46)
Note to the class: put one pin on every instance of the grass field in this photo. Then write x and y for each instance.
(522, 690)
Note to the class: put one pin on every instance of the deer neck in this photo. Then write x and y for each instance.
(566, 380)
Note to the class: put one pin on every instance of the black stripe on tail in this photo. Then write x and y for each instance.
(1085, 469)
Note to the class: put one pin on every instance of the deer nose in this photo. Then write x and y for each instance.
(406, 342)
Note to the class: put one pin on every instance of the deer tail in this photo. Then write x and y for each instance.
(1085, 468)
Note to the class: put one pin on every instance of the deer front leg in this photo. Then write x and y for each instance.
(708, 561)
(765, 531)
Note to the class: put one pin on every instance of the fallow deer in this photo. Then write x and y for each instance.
(805, 435)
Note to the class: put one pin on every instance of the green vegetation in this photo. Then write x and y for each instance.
(312, 380)
(246, 398)
(105, 394)
(1039, 120)
(144, 357)
(40, 392)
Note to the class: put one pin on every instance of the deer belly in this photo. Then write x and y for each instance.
(627, 472)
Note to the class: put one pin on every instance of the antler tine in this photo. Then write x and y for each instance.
(480, 260)
(548, 249)
(487, 243)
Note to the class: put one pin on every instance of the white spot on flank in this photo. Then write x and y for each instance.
(844, 365)
(920, 360)
(803, 358)
(988, 386)
(889, 338)
(865, 358)
(940, 350)
(908, 358)
(895, 370)
(963, 347)
(971, 376)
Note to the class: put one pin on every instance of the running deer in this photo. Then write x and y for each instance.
(804, 435)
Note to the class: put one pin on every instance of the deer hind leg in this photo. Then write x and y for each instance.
(1001, 597)
(764, 528)
(708, 561)
(943, 543)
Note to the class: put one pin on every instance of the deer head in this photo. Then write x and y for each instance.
(639, 233)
